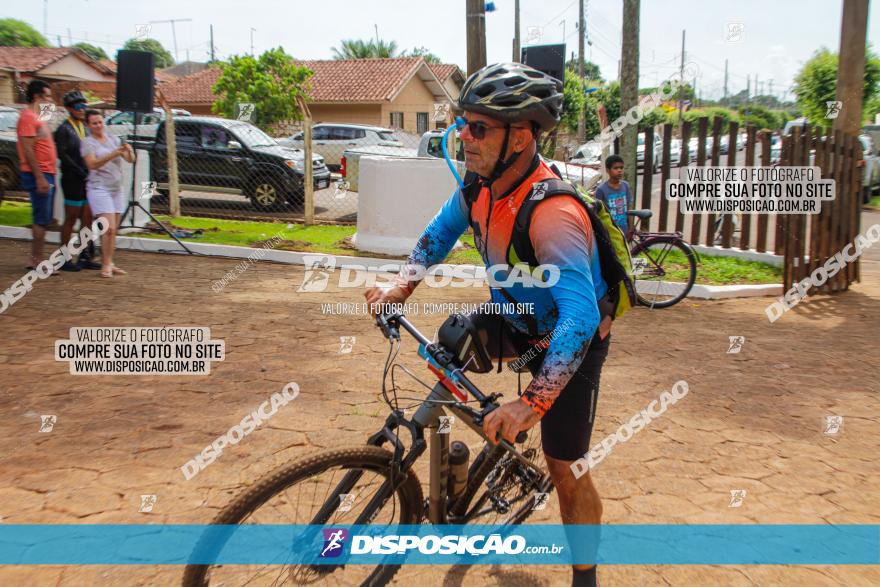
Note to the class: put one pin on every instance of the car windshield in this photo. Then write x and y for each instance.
(251, 136)
(388, 136)
(8, 120)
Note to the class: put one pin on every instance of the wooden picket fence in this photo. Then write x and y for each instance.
(805, 241)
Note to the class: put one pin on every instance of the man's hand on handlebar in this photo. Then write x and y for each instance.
(378, 296)
(508, 420)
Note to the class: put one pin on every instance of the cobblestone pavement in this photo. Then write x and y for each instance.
(752, 420)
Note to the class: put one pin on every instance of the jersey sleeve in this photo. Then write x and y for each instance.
(437, 240)
(562, 236)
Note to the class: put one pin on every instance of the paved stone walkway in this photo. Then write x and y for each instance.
(752, 421)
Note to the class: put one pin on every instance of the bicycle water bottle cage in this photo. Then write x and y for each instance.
(462, 338)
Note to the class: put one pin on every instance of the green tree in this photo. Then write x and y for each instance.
(17, 33)
(163, 57)
(271, 82)
(92, 51)
(424, 54)
(573, 102)
(760, 116)
(609, 96)
(591, 70)
(359, 49)
(816, 83)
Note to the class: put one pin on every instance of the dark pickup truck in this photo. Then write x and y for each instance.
(231, 156)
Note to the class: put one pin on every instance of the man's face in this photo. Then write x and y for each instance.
(77, 111)
(616, 172)
(480, 155)
(45, 97)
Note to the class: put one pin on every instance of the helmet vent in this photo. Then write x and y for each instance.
(514, 81)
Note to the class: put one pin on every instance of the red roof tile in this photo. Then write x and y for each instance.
(343, 81)
(30, 59)
(443, 70)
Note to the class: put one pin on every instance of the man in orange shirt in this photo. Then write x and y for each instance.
(37, 157)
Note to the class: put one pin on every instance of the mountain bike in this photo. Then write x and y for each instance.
(664, 264)
(370, 484)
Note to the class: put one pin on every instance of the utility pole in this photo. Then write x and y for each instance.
(376, 27)
(252, 41)
(629, 89)
(725, 79)
(476, 35)
(748, 87)
(850, 79)
(771, 87)
(681, 80)
(517, 52)
(212, 43)
(69, 38)
(757, 86)
(173, 31)
(582, 27)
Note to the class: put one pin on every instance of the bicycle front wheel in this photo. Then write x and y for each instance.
(666, 269)
(335, 487)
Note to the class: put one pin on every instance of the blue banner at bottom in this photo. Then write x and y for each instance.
(142, 544)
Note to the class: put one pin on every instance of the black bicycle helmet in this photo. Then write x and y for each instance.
(73, 97)
(513, 92)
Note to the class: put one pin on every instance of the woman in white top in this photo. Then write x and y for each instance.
(102, 153)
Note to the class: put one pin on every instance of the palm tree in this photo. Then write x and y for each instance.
(359, 49)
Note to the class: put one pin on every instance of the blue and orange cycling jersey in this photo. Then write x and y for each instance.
(561, 235)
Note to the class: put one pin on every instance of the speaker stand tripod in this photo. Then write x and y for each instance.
(133, 202)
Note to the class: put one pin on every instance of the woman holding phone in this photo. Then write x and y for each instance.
(103, 154)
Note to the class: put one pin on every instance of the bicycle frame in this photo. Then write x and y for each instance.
(450, 391)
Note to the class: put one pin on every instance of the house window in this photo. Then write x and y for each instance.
(421, 122)
(397, 120)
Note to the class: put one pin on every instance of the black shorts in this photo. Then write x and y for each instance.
(73, 187)
(565, 428)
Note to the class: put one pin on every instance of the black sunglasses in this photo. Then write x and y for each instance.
(478, 129)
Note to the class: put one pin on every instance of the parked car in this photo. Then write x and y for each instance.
(799, 122)
(674, 151)
(724, 143)
(657, 155)
(775, 148)
(331, 139)
(430, 145)
(121, 124)
(215, 154)
(588, 155)
(692, 148)
(8, 152)
(871, 173)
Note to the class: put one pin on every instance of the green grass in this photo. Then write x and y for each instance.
(334, 239)
(875, 202)
(718, 270)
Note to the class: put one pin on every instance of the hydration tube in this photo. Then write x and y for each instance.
(459, 125)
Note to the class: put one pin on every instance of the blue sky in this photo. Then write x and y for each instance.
(777, 35)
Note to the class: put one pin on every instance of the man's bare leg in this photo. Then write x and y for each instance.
(579, 502)
(39, 236)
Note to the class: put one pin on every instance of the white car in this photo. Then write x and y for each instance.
(657, 155)
(330, 140)
(674, 151)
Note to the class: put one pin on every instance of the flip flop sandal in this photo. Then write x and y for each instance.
(107, 273)
(117, 271)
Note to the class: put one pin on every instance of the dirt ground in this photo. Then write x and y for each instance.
(752, 420)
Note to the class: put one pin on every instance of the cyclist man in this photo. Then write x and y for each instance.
(507, 106)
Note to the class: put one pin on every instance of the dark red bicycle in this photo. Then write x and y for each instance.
(664, 264)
